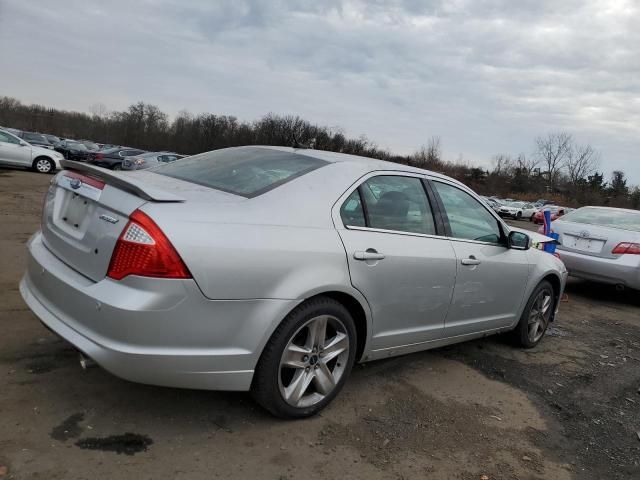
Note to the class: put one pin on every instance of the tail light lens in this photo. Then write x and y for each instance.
(628, 248)
(98, 156)
(144, 250)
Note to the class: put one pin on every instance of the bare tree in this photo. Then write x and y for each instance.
(582, 161)
(553, 151)
(502, 164)
(99, 110)
(526, 165)
(430, 155)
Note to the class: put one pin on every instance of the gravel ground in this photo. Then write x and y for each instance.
(567, 409)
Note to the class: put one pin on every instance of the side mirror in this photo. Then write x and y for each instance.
(519, 241)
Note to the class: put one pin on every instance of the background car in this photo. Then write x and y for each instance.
(512, 209)
(53, 140)
(73, 150)
(37, 139)
(529, 210)
(91, 146)
(601, 244)
(149, 159)
(492, 202)
(276, 269)
(112, 157)
(17, 152)
(556, 212)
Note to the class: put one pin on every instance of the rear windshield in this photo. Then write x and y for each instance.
(606, 217)
(246, 171)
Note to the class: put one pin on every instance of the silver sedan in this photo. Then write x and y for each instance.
(275, 269)
(601, 244)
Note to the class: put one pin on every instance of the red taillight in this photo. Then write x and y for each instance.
(98, 156)
(628, 248)
(144, 250)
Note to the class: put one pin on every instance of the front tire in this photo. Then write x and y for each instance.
(307, 360)
(43, 165)
(536, 316)
(117, 166)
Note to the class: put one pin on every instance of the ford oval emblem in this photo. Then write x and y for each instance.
(75, 183)
(584, 234)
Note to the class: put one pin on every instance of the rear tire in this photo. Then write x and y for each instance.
(519, 216)
(307, 359)
(43, 165)
(117, 166)
(536, 316)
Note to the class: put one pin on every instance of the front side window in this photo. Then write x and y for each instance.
(397, 203)
(468, 219)
(6, 138)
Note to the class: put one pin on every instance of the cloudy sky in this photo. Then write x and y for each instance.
(487, 76)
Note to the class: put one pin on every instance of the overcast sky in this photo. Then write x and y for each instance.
(487, 76)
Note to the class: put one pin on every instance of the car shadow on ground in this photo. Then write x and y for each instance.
(602, 293)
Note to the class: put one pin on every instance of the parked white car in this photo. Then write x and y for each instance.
(16, 152)
(517, 210)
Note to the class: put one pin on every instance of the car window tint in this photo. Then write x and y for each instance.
(246, 171)
(468, 219)
(351, 211)
(398, 203)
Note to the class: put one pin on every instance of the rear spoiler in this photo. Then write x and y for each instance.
(123, 181)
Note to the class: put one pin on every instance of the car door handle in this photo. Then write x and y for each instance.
(370, 254)
(470, 261)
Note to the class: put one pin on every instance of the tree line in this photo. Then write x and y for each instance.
(558, 168)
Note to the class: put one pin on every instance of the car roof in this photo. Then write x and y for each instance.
(365, 162)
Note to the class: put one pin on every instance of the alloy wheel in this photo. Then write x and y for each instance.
(539, 315)
(43, 166)
(313, 361)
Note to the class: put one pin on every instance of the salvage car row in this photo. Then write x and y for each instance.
(42, 152)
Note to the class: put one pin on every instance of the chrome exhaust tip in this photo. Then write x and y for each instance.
(86, 362)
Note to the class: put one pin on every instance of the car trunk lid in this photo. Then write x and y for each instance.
(592, 240)
(85, 211)
(87, 208)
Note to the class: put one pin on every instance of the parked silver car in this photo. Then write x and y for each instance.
(16, 152)
(275, 269)
(601, 244)
(148, 160)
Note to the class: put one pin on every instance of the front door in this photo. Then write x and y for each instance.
(491, 278)
(12, 152)
(397, 259)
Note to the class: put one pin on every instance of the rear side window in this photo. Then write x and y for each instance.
(391, 202)
(246, 171)
(351, 211)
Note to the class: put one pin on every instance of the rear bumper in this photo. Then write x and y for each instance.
(623, 270)
(153, 331)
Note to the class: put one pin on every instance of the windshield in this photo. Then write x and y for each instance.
(76, 146)
(248, 171)
(606, 217)
(34, 137)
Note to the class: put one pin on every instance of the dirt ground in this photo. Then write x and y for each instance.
(567, 409)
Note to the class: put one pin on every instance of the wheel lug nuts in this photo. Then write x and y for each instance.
(306, 369)
(305, 358)
(316, 367)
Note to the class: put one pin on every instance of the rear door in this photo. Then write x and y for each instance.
(491, 278)
(397, 258)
